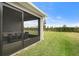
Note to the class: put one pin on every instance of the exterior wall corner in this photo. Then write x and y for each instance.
(41, 28)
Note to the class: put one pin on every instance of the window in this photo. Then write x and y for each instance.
(31, 27)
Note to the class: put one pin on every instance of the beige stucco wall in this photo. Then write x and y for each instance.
(41, 29)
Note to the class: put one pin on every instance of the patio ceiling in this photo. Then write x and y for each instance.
(28, 16)
(29, 8)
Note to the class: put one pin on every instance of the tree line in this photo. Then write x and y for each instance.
(64, 28)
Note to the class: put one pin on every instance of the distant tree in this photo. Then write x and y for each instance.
(64, 26)
(76, 29)
(51, 28)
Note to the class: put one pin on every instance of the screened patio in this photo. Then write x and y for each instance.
(13, 35)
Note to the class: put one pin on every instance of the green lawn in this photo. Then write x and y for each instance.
(55, 44)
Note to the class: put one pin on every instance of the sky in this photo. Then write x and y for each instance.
(32, 23)
(60, 13)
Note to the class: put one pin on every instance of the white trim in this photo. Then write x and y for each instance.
(28, 7)
(37, 8)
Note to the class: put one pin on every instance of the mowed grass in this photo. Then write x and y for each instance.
(55, 44)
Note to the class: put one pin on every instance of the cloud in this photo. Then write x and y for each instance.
(73, 25)
(50, 19)
(59, 22)
(33, 23)
(54, 20)
(58, 17)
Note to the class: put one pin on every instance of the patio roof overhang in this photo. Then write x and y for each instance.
(29, 7)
